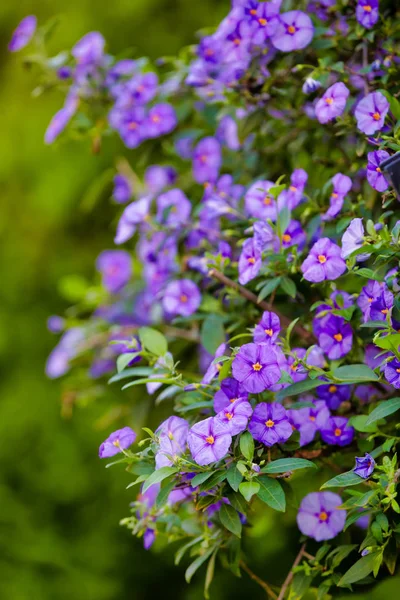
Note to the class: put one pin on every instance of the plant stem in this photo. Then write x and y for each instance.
(245, 293)
(289, 577)
(258, 580)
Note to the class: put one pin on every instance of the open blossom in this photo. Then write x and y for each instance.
(353, 237)
(117, 442)
(323, 262)
(341, 186)
(231, 391)
(365, 466)
(249, 262)
(367, 12)
(256, 367)
(209, 441)
(23, 34)
(268, 329)
(270, 424)
(293, 195)
(334, 395)
(207, 160)
(181, 298)
(382, 306)
(236, 415)
(116, 269)
(309, 420)
(319, 516)
(173, 208)
(258, 203)
(336, 337)
(158, 177)
(160, 120)
(337, 431)
(134, 214)
(375, 177)
(371, 112)
(294, 31)
(294, 235)
(332, 103)
(264, 235)
(392, 373)
(89, 49)
(172, 436)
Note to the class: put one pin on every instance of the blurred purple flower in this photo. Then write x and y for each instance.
(370, 113)
(23, 34)
(117, 442)
(319, 516)
(332, 103)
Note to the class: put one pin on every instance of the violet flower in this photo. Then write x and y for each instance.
(268, 329)
(122, 192)
(117, 442)
(365, 466)
(249, 262)
(256, 367)
(181, 298)
(115, 267)
(294, 31)
(334, 395)
(336, 337)
(172, 436)
(323, 262)
(309, 420)
(209, 441)
(134, 214)
(294, 194)
(258, 203)
(392, 373)
(367, 12)
(23, 33)
(353, 238)
(336, 431)
(319, 516)
(375, 177)
(341, 186)
(207, 160)
(332, 103)
(231, 391)
(270, 424)
(370, 113)
(173, 208)
(236, 416)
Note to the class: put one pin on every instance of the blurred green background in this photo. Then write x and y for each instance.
(59, 507)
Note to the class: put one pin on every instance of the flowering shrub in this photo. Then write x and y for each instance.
(268, 244)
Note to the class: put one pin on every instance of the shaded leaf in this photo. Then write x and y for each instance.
(271, 493)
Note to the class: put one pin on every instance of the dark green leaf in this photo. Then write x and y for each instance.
(384, 409)
(212, 481)
(230, 519)
(288, 286)
(200, 478)
(196, 564)
(298, 388)
(343, 480)
(247, 445)
(355, 373)
(282, 465)
(271, 493)
(158, 476)
(131, 372)
(212, 333)
(153, 340)
(234, 477)
(359, 570)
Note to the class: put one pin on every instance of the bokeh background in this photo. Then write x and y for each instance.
(59, 507)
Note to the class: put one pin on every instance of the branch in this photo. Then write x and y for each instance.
(306, 335)
(290, 574)
(257, 579)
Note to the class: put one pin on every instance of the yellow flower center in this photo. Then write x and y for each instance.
(338, 432)
(155, 119)
(267, 200)
(322, 259)
(257, 367)
(397, 370)
(229, 416)
(335, 195)
(338, 337)
(367, 8)
(170, 435)
(378, 169)
(262, 22)
(291, 29)
(236, 41)
(384, 311)
(286, 237)
(183, 298)
(270, 423)
(323, 516)
(332, 389)
(269, 332)
(116, 443)
(312, 418)
(370, 300)
(253, 12)
(210, 439)
(376, 116)
(329, 100)
(293, 188)
(251, 260)
(132, 125)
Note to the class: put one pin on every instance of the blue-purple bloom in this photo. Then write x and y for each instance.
(158, 177)
(61, 119)
(249, 262)
(161, 120)
(209, 441)
(323, 262)
(268, 329)
(23, 34)
(256, 367)
(334, 395)
(134, 214)
(173, 208)
(375, 177)
(172, 437)
(207, 160)
(115, 267)
(231, 391)
(122, 192)
(117, 442)
(392, 373)
(294, 31)
(259, 203)
(270, 424)
(365, 466)
(294, 194)
(181, 298)
(332, 103)
(236, 416)
(382, 306)
(319, 516)
(309, 420)
(341, 186)
(367, 12)
(371, 112)
(336, 431)
(353, 238)
(335, 337)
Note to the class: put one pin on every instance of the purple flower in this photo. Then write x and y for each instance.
(294, 235)
(181, 298)
(236, 416)
(67, 348)
(334, 395)
(122, 189)
(374, 174)
(323, 262)
(207, 160)
(149, 537)
(134, 214)
(382, 306)
(249, 262)
(270, 424)
(173, 208)
(310, 85)
(294, 194)
(309, 420)
(353, 238)
(256, 367)
(268, 329)
(264, 235)
(231, 391)
(130, 124)
(319, 516)
(227, 133)
(23, 34)
(294, 31)
(117, 442)
(209, 441)
(141, 89)
(259, 203)
(337, 431)
(367, 12)
(392, 373)
(61, 119)
(55, 324)
(115, 267)
(89, 49)
(161, 120)
(172, 437)
(336, 337)
(341, 187)
(371, 112)
(332, 103)
(158, 177)
(364, 466)
(213, 368)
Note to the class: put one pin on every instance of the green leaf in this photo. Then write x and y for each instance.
(234, 477)
(123, 360)
(343, 480)
(359, 422)
(389, 342)
(394, 104)
(210, 573)
(368, 274)
(359, 570)
(237, 501)
(282, 465)
(248, 489)
(384, 409)
(212, 333)
(230, 519)
(153, 341)
(196, 564)
(268, 288)
(355, 373)
(300, 584)
(158, 476)
(271, 493)
(299, 388)
(216, 478)
(131, 372)
(200, 478)
(288, 286)
(247, 445)
(164, 492)
(181, 551)
(340, 553)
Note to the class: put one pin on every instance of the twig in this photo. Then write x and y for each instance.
(257, 579)
(190, 335)
(307, 335)
(290, 574)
